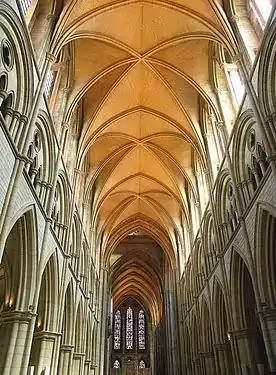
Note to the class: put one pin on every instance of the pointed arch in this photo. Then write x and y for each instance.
(68, 316)
(264, 252)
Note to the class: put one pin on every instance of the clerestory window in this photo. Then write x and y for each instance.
(234, 79)
(25, 5)
(261, 10)
(236, 83)
(49, 84)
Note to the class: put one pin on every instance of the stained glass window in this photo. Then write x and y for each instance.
(117, 330)
(141, 330)
(116, 364)
(129, 328)
(142, 364)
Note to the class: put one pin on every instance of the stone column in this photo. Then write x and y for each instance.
(14, 124)
(224, 358)
(209, 363)
(268, 322)
(87, 367)
(43, 350)
(3, 96)
(65, 360)
(16, 338)
(196, 366)
(244, 343)
(78, 363)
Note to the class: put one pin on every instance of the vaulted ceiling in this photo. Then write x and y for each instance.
(140, 71)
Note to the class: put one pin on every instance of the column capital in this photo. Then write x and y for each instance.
(66, 348)
(234, 18)
(237, 58)
(50, 17)
(50, 57)
(15, 316)
(18, 115)
(47, 335)
(3, 94)
(221, 346)
(268, 313)
(240, 333)
(65, 125)
(23, 119)
(220, 125)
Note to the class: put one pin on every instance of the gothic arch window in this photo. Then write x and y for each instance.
(141, 330)
(142, 364)
(117, 330)
(116, 364)
(129, 328)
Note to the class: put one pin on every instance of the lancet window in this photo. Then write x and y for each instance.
(141, 330)
(129, 328)
(117, 330)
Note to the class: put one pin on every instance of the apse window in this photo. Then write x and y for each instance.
(261, 10)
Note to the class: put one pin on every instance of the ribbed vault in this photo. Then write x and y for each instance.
(136, 272)
(140, 71)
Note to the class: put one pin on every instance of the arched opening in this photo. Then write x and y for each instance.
(187, 358)
(66, 347)
(265, 252)
(196, 348)
(3, 82)
(6, 106)
(140, 334)
(222, 333)
(17, 284)
(207, 341)
(45, 337)
(247, 320)
(79, 341)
